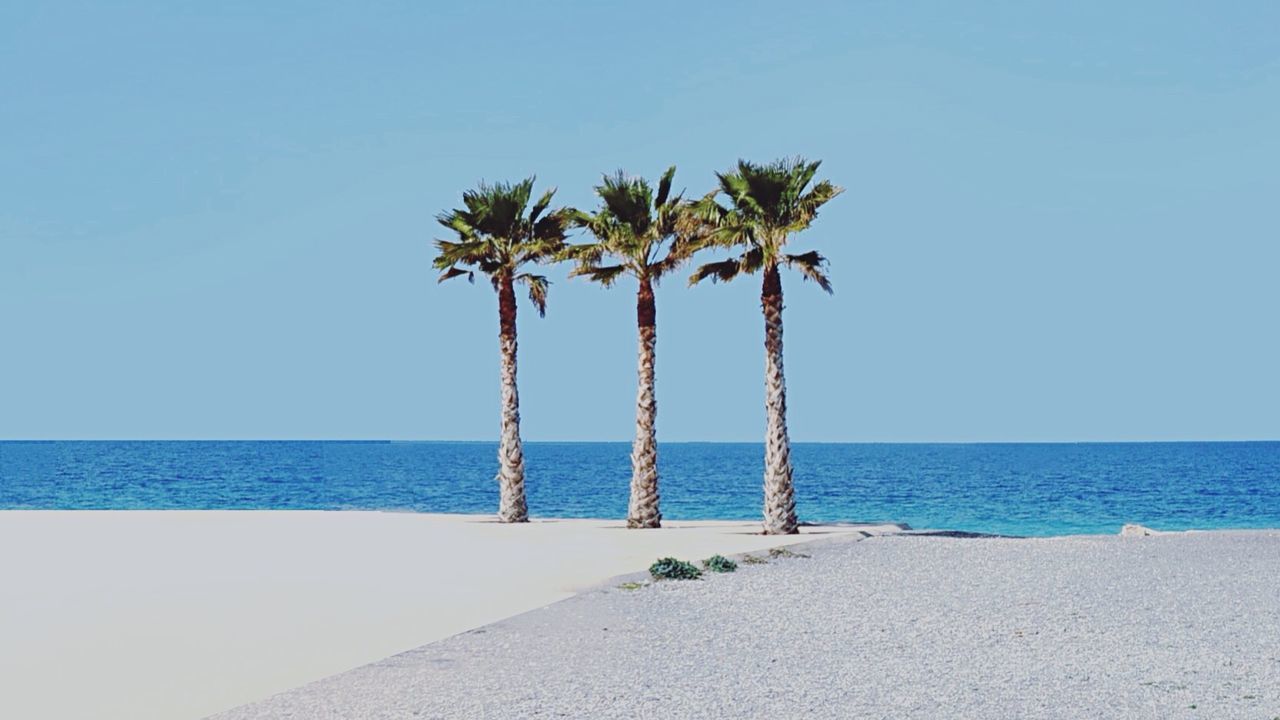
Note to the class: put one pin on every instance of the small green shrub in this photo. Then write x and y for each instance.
(669, 568)
(720, 564)
(753, 560)
(631, 586)
(782, 552)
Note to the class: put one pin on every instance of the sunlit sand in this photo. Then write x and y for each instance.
(179, 614)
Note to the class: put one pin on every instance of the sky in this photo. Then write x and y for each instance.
(1060, 223)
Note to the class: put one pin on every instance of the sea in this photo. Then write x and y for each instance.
(1002, 489)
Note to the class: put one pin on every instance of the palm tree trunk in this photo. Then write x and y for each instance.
(512, 507)
(642, 511)
(779, 492)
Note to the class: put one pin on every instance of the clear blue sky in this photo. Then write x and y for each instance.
(1061, 220)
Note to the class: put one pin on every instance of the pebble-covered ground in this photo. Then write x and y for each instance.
(1173, 626)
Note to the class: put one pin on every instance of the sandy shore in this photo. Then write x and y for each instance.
(1172, 626)
(181, 614)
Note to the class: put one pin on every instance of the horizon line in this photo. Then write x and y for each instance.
(661, 442)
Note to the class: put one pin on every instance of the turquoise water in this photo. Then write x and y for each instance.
(1018, 489)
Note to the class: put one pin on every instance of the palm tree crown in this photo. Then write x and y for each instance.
(767, 204)
(497, 237)
(631, 228)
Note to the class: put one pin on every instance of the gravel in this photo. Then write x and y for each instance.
(1174, 626)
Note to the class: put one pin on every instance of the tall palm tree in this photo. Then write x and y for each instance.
(767, 204)
(497, 238)
(635, 230)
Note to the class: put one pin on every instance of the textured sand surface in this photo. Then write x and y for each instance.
(1174, 626)
(175, 615)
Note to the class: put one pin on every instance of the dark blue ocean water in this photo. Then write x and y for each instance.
(1020, 489)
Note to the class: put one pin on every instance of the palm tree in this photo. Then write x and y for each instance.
(635, 230)
(767, 205)
(496, 237)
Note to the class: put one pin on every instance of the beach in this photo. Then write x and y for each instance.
(332, 385)
(180, 614)
(1182, 625)
(183, 614)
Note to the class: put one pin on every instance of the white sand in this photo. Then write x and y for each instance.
(1183, 626)
(181, 614)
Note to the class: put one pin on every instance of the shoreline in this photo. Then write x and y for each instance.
(1156, 525)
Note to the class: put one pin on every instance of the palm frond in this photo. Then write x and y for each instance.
(664, 187)
(454, 272)
(582, 253)
(578, 218)
(698, 222)
(498, 209)
(538, 285)
(467, 252)
(541, 205)
(540, 250)
(628, 200)
(554, 226)
(812, 266)
(673, 259)
(722, 271)
(747, 199)
(606, 275)
(808, 204)
(752, 260)
(798, 174)
(457, 222)
(737, 233)
(670, 217)
(707, 210)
